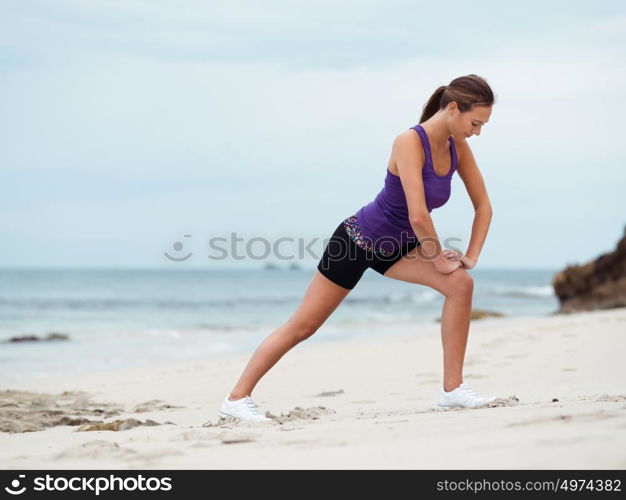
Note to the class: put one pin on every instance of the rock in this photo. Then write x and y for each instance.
(482, 313)
(24, 338)
(597, 284)
(34, 338)
(57, 336)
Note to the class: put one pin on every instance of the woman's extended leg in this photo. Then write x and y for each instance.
(457, 287)
(320, 299)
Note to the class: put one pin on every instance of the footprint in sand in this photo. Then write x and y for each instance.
(561, 442)
(502, 402)
(517, 356)
(403, 421)
(306, 414)
(204, 439)
(118, 425)
(98, 448)
(593, 417)
(329, 393)
(153, 405)
(235, 437)
(26, 411)
(297, 414)
(194, 435)
(304, 443)
(499, 402)
(614, 397)
(230, 422)
(101, 449)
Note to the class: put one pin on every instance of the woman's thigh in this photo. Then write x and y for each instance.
(416, 268)
(321, 298)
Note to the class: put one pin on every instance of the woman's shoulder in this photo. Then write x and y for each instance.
(408, 139)
(407, 147)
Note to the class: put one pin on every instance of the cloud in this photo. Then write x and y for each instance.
(168, 116)
(299, 35)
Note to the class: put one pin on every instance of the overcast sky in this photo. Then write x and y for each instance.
(126, 125)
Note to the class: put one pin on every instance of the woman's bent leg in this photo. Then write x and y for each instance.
(457, 287)
(320, 299)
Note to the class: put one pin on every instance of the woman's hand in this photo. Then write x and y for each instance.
(451, 255)
(445, 265)
(466, 262)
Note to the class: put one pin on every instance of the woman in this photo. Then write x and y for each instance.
(395, 236)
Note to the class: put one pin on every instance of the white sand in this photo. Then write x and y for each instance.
(384, 416)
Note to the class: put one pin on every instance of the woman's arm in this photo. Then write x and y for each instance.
(480, 227)
(410, 161)
(475, 185)
(424, 229)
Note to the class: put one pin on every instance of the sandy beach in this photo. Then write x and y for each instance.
(357, 403)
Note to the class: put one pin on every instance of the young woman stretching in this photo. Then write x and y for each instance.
(395, 236)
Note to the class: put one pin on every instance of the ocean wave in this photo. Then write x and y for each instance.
(533, 291)
(421, 297)
(113, 304)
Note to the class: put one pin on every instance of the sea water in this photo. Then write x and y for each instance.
(121, 318)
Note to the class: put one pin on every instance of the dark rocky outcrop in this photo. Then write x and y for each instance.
(598, 284)
(35, 338)
(480, 314)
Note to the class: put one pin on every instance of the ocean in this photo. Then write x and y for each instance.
(122, 318)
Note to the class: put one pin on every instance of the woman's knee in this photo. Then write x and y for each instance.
(460, 282)
(300, 330)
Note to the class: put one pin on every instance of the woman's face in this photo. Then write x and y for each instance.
(469, 123)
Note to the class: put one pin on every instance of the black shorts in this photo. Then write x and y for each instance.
(343, 262)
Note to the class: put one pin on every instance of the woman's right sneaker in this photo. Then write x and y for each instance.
(243, 408)
(462, 396)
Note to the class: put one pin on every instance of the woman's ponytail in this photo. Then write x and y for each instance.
(467, 91)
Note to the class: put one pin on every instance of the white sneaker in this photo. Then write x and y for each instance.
(462, 396)
(243, 408)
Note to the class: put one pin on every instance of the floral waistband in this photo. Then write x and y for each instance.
(354, 231)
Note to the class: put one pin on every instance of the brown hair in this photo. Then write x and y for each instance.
(467, 91)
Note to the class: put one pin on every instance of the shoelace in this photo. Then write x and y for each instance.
(252, 405)
(469, 390)
(471, 396)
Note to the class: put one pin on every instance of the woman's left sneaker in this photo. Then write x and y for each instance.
(464, 397)
(244, 409)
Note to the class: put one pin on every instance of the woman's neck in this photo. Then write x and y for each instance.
(438, 132)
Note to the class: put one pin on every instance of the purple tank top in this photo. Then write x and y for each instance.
(386, 219)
